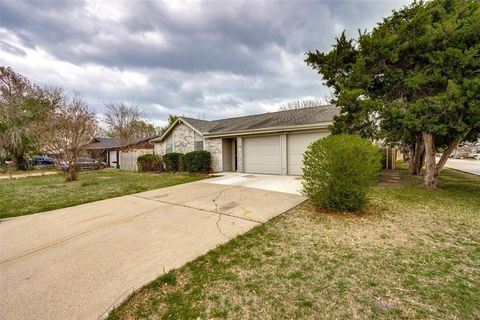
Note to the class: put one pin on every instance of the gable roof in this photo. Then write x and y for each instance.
(312, 116)
(113, 143)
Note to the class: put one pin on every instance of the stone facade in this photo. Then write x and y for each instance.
(183, 138)
(214, 146)
(159, 148)
(183, 142)
(239, 154)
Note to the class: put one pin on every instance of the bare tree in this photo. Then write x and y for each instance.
(123, 122)
(201, 116)
(303, 103)
(69, 132)
(22, 106)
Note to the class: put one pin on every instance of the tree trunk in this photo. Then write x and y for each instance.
(406, 153)
(446, 154)
(418, 157)
(72, 172)
(429, 178)
(411, 159)
(20, 162)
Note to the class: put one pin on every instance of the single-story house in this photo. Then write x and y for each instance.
(271, 143)
(110, 149)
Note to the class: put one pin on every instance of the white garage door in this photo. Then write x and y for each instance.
(262, 155)
(296, 146)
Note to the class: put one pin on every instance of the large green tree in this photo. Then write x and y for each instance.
(414, 80)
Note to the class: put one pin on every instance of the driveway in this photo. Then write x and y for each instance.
(470, 166)
(78, 262)
(287, 184)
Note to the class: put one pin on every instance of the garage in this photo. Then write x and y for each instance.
(297, 144)
(277, 154)
(263, 154)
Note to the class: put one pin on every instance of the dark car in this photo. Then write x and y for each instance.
(42, 161)
(82, 163)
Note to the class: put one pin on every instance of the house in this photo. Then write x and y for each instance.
(110, 149)
(271, 143)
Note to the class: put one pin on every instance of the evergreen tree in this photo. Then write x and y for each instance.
(414, 80)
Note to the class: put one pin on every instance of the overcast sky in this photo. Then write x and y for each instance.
(210, 59)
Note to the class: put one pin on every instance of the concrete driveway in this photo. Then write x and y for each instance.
(78, 262)
(280, 183)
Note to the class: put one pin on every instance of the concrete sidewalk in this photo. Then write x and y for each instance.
(469, 166)
(26, 175)
(77, 262)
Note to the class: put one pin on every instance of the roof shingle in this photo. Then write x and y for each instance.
(296, 117)
(112, 143)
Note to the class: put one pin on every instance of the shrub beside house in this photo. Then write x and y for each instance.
(333, 178)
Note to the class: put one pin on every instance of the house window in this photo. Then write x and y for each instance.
(169, 144)
(198, 143)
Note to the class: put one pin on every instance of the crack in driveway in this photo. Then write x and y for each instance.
(200, 209)
(219, 214)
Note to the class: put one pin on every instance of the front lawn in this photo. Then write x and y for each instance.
(415, 254)
(37, 194)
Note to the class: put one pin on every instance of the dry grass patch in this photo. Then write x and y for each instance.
(413, 254)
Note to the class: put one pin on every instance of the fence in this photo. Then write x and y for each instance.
(128, 159)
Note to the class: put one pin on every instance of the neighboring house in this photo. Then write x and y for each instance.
(271, 143)
(110, 149)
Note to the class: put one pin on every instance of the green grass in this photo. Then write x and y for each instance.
(37, 194)
(414, 254)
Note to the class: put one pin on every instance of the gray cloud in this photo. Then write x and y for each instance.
(212, 58)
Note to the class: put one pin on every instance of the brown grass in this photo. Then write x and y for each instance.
(412, 255)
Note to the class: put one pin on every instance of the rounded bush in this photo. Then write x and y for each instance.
(338, 170)
(149, 163)
(198, 161)
(173, 162)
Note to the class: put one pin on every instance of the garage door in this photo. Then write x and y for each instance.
(296, 146)
(262, 155)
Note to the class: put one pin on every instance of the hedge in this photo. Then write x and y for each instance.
(198, 161)
(150, 162)
(174, 162)
(338, 170)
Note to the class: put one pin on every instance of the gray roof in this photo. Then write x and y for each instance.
(288, 118)
(201, 125)
(113, 143)
(105, 143)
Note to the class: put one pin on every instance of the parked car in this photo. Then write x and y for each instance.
(82, 163)
(42, 161)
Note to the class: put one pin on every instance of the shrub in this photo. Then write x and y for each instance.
(173, 162)
(338, 170)
(150, 162)
(198, 161)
